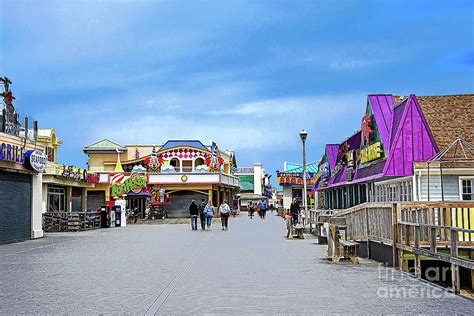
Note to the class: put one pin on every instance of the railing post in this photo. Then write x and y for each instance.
(367, 231)
(417, 247)
(433, 247)
(395, 254)
(456, 286)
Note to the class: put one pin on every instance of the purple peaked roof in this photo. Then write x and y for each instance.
(406, 138)
(332, 150)
(412, 142)
(382, 106)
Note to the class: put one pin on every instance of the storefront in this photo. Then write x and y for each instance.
(293, 185)
(376, 164)
(64, 187)
(21, 165)
(166, 177)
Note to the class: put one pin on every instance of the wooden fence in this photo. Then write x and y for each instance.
(70, 221)
(415, 228)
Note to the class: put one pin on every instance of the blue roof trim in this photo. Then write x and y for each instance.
(183, 143)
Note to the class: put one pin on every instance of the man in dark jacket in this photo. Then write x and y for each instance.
(193, 212)
(202, 214)
(295, 211)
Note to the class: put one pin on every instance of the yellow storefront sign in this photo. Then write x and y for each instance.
(370, 153)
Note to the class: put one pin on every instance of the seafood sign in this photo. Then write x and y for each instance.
(135, 184)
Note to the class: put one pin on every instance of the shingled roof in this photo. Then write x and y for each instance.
(449, 116)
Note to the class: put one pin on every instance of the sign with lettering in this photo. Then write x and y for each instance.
(371, 153)
(350, 162)
(12, 153)
(36, 160)
(134, 184)
(325, 170)
(295, 178)
(92, 177)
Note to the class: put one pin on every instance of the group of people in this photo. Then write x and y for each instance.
(260, 207)
(295, 212)
(206, 212)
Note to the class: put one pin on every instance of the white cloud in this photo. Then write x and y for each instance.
(258, 125)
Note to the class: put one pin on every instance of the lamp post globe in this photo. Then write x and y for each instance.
(303, 135)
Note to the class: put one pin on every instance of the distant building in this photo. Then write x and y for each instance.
(167, 176)
(255, 184)
(291, 179)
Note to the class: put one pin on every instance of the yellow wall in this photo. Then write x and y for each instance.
(96, 162)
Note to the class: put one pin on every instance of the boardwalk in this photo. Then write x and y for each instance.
(169, 269)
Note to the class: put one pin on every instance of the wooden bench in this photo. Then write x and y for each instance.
(350, 250)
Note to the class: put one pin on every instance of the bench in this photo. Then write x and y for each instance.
(350, 250)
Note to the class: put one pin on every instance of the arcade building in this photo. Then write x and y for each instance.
(387, 160)
(166, 177)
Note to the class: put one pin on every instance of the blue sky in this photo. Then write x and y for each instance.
(246, 74)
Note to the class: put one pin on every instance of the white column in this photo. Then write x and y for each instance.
(287, 196)
(257, 178)
(36, 206)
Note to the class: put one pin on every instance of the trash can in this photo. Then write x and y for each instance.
(104, 217)
(118, 215)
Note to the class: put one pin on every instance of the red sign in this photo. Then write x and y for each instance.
(366, 130)
(92, 178)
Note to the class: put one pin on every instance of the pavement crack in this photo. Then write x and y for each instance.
(166, 292)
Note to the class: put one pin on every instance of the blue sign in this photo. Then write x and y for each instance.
(13, 153)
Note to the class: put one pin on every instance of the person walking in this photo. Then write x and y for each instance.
(263, 209)
(295, 210)
(193, 212)
(224, 211)
(251, 209)
(257, 208)
(202, 214)
(209, 210)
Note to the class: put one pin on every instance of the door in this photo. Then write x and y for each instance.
(137, 202)
(15, 206)
(95, 199)
(180, 202)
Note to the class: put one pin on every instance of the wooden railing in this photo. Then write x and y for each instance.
(70, 221)
(424, 228)
(414, 228)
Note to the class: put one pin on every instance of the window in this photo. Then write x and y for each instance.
(56, 199)
(50, 153)
(467, 190)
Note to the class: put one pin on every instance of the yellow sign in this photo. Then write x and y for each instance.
(370, 153)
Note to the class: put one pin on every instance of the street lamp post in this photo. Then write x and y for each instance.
(303, 136)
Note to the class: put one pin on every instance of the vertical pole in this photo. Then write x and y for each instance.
(455, 268)
(305, 193)
(441, 180)
(367, 231)
(416, 248)
(428, 180)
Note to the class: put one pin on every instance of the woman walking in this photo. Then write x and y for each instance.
(224, 211)
(251, 209)
(209, 211)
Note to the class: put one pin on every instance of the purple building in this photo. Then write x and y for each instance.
(376, 164)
